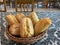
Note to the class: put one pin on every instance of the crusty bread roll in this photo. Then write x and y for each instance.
(26, 28)
(20, 16)
(33, 17)
(11, 19)
(42, 25)
(14, 29)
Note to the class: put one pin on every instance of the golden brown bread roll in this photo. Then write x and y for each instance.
(26, 28)
(20, 16)
(14, 29)
(33, 17)
(42, 25)
(11, 19)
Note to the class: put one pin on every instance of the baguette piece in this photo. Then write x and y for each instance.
(33, 17)
(14, 29)
(11, 19)
(42, 25)
(20, 16)
(26, 28)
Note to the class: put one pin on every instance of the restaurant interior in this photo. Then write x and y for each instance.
(13, 11)
(15, 5)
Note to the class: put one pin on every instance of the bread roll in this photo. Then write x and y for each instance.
(14, 29)
(11, 19)
(26, 28)
(42, 25)
(20, 16)
(34, 17)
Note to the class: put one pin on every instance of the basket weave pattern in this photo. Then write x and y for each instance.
(24, 40)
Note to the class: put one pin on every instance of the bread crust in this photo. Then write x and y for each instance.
(14, 29)
(19, 17)
(26, 28)
(11, 19)
(42, 25)
(33, 16)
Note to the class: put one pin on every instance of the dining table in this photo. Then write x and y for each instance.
(52, 37)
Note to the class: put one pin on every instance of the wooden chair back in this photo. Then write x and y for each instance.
(24, 2)
(3, 2)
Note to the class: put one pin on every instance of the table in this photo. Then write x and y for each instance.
(52, 37)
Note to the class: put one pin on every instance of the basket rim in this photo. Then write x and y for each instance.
(16, 39)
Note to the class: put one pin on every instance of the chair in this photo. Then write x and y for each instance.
(45, 3)
(23, 2)
(36, 2)
(3, 2)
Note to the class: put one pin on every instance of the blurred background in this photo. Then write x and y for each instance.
(43, 8)
(11, 4)
(39, 3)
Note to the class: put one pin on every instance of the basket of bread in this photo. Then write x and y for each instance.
(26, 29)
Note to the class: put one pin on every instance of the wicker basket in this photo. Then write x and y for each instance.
(25, 40)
